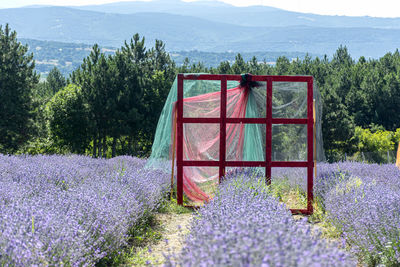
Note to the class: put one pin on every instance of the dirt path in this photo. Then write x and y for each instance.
(174, 229)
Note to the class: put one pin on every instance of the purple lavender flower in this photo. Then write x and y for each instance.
(71, 210)
(245, 226)
(363, 201)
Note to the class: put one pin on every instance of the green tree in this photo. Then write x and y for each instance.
(41, 95)
(17, 79)
(342, 58)
(125, 94)
(337, 125)
(224, 68)
(282, 66)
(92, 77)
(185, 67)
(133, 72)
(68, 119)
(156, 92)
(254, 67)
(321, 70)
(387, 93)
(55, 80)
(239, 66)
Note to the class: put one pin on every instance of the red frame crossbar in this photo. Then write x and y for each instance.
(268, 121)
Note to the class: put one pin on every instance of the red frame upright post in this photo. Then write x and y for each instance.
(268, 135)
(179, 145)
(222, 133)
(268, 121)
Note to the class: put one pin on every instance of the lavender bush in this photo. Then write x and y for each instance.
(363, 201)
(71, 210)
(244, 226)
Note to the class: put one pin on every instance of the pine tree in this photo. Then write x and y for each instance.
(55, 80)
(17, 79)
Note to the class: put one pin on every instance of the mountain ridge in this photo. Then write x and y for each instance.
(186, 33)
(239, 15)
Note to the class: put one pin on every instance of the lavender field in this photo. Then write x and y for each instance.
(363, 202)
(75, 210)
(245, 226)
(71, 210)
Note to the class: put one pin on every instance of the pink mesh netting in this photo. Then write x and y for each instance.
(202, 141)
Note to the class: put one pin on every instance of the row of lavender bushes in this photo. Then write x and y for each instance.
(363, 202)
(245, 226)
(71, 210)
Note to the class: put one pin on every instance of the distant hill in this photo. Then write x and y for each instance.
(234, 29)
(73, 25)
(68, 56)
(244, 16)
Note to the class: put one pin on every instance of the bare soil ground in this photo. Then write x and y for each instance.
(174, 227)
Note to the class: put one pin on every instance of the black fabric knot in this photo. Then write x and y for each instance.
(247, 81)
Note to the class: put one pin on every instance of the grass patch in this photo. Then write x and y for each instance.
(328, 229)
(293, 196)
(171, 206)
(146, 232)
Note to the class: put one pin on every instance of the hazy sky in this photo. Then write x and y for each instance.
(380, 8)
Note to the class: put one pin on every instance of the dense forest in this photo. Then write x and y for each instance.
(110, 104)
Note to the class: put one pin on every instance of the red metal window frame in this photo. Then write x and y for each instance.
(268, 121)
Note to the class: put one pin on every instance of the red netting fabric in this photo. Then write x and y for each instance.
(202, 141)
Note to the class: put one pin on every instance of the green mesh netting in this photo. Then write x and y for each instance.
(244, 142)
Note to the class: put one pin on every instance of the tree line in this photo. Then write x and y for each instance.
(110, 105)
